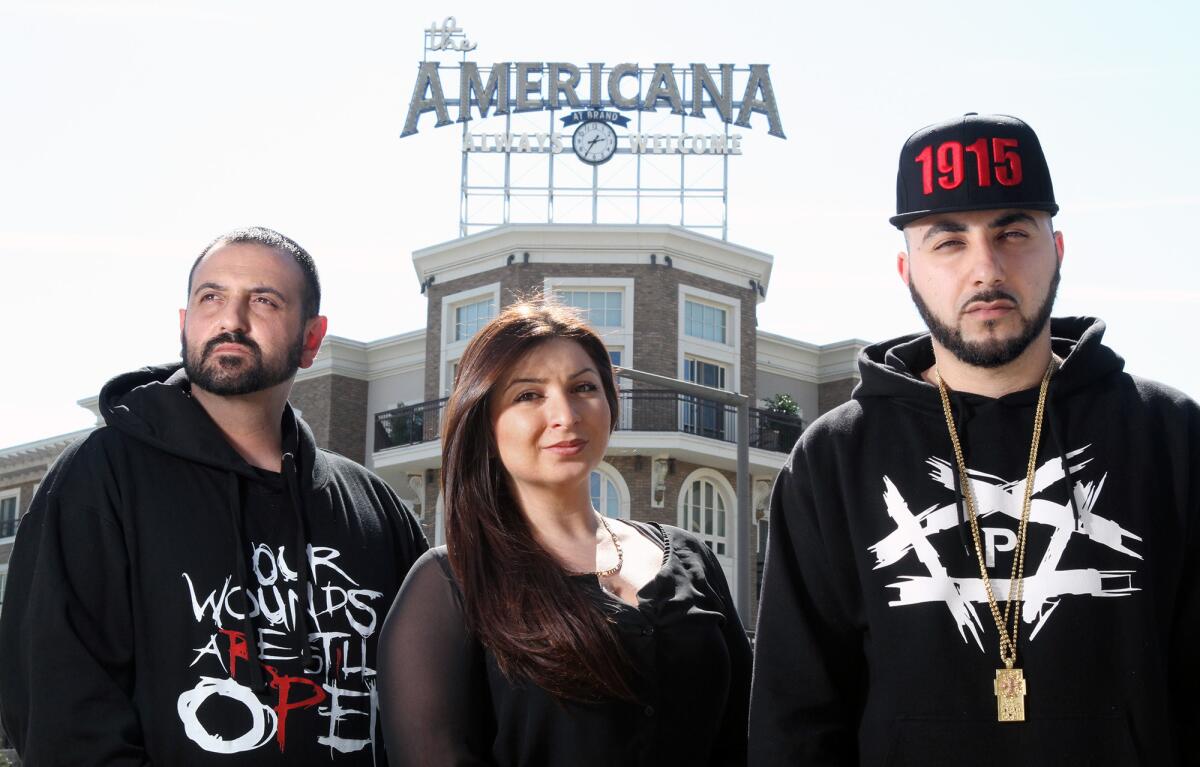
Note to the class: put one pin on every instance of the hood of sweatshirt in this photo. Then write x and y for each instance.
(154, 405)
(893, 368)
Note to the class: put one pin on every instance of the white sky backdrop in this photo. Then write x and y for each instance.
(133, 132)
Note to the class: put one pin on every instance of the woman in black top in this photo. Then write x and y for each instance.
(543, 633)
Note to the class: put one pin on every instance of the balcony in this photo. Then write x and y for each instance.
(645, 410)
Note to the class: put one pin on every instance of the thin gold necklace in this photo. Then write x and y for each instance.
(1010, 685)
(616, 544)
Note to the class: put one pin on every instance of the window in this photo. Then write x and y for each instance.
(468, 319)
(704, 417)
(601, 308)
(8, 513)
(702, 510)
(609, 494)
(604, 496)
(606, 304)
(463, 314)
(704, 321)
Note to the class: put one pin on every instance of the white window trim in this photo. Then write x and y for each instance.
(621, 337)
(451, 350)
(14, 493)
(729, 354)
(608, 471)
(730, 498)
(439, 522)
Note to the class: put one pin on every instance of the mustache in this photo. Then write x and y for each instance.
(230, 338)
(987, 296)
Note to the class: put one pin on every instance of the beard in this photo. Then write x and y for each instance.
(990, 352)
(230, 376)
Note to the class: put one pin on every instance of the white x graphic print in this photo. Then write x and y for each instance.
(1045, 584)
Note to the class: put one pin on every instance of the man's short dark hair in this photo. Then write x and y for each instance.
(281, 244)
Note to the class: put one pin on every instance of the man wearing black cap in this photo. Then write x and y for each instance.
(991, 554)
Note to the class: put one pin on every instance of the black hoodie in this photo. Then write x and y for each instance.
(159, 608)
(875, 644)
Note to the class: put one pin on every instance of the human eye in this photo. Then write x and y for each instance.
(586, 386)
(207, 297)
(947, 244)
(1014, 234)
(527, 396)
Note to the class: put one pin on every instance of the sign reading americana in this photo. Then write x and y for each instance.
(534, 86)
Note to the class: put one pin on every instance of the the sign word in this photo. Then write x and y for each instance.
(529, 86)
(448, 37)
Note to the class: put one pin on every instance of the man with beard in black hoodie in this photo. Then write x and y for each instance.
(196, 583)
(991, 554)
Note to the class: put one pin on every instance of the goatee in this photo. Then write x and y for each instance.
(234, 375)
(989, 353)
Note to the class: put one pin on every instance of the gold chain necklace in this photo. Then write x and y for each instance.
(620, 554)
(1010, 686)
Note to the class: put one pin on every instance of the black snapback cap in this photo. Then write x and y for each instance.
(973, 162)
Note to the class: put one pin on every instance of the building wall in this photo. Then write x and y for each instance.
(834, 393)
(26, 482)
(804, 392)
(655, 312)
(335, 408)
(386, 393)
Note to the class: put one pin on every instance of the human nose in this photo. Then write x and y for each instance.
(562, 410)
(987, 266)
(234, 315)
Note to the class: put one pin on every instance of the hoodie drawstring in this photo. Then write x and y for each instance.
(258, 683)
(297, 500)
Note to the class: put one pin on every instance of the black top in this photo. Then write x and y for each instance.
(445, 702)
(169, 604)
(875, 644)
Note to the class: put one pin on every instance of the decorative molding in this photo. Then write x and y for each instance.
(34, 453)
(594, 244)
(368, 361)
(808, 362)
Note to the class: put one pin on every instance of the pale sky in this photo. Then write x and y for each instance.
(133, 132)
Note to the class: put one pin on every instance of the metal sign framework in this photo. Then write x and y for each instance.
(637, 187)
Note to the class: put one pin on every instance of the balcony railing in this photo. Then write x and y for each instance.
(641, 410)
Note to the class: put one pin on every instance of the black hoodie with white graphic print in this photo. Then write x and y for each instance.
(168, 603)
(875, 642)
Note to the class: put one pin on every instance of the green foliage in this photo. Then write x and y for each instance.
(782, 403)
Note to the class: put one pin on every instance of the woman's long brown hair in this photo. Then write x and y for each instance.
(518, 601)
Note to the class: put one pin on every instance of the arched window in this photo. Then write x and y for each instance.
(704, 509)
(610, 495)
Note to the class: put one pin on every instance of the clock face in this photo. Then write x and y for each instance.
(594, 142)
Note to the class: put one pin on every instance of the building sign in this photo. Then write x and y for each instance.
(651, 144)
(530, 86)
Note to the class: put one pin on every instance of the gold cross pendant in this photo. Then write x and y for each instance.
(1010, 695)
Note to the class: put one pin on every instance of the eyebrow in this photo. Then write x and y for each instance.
(1011, 218)
(943, 226)
(576, 374)
(256, 289)
(1005, 219)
